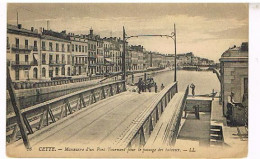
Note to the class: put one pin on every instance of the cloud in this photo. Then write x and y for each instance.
(201, 28)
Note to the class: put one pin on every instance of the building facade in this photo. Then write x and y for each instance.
(79, 54)
(23, 51)
(234, 75)
(55, 55)
(92, 53)
(45, 55)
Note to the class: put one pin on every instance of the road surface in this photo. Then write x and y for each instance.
(100, 124)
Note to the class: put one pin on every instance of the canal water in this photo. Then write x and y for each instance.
(204, 81)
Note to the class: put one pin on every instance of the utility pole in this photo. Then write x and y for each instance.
(123, 56)
(17, 18)
(175, 64)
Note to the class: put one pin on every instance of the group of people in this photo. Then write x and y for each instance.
(142, 86)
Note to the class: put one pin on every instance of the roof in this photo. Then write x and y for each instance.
(13, 28)
(48, 37)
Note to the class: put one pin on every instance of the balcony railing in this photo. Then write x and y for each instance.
(24, 63)
(22, 47)
(43, 48)
(107, 56)
(35, 48)
(57, 62)
(93, 65)
(92, 56)
(80, 63)
(100, 63)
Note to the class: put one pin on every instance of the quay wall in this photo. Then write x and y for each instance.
(204, 104)
(32, 96)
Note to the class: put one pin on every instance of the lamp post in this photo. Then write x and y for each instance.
(175, 64)
(173, 36)
(123, 56)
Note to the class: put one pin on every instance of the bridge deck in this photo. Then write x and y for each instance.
(100, 124)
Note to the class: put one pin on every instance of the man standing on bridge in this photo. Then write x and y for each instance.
(140, 85)
(192, 86)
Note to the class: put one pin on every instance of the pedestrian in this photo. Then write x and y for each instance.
(230, 105)
(139, 85)
(162, 86)
(142, 86)
(149, 86)
(192, 86)
(155, 87)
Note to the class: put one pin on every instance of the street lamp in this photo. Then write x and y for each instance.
(173, 36)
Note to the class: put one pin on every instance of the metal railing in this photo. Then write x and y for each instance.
(35, 48)
(142, 127)
(22, 47)
(24, 63)
(31, 84)
(57, 62)
(172, 131)
(46, 113)
(80, 63)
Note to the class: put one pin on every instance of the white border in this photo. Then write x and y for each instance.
(254, 69)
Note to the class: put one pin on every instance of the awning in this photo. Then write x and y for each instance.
(108, 59)
(36, 57)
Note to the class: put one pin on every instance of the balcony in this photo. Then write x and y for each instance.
(57, 63)
(24, 63)
(22, 48)
(107, 56)
(92, 65)
(100, 63)
(44, 62)
(92, 56)
(79, 63)
(106, 49)
(7, 46)
(43, 48)
(35, 48)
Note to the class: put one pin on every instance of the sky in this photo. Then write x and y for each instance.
(207, 30)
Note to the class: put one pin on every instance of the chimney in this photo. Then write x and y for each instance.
(40, 30)
(32, 29)
(91, 32)
(48, 25)
(19, 26)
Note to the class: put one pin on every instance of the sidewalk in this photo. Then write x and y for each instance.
(231, 139)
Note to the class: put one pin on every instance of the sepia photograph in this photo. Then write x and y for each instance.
(129, 80)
